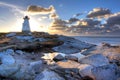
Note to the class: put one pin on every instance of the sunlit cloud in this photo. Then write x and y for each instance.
(44, 17)
(58, 26)
(53, 16)
(99, 12)
(34, 10)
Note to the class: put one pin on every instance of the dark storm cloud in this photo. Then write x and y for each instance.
(71, 20)
(114, 19)
(39, 9)
(98, 12)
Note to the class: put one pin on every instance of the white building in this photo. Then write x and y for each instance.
(26, 26)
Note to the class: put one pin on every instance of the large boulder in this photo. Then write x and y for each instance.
(72, 70)
(114, 58)
(71, 45)
(59, 57)
(6, 59)
(106, 72)
(85, 70)
(95, 60)
(35, 67)
(8, 70)
(48, 75)
(23, 74)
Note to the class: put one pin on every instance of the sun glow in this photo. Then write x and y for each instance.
(34, 25)
(37, 26)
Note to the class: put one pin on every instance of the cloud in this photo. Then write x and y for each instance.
(40, 10)
(92, 27)
(58, 23)
(42, 18)
(85, 26)
(98, 12)
(58, 26)
(53, 16)
(72, 20)
(79, 14)
(88, 22)
(114, 19)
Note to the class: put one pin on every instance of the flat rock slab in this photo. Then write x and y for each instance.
(71, 45)
(95, 60)
(68, 64)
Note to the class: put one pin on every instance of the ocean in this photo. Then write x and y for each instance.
(99, 39)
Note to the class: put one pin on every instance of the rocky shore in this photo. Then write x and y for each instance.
(41, 56)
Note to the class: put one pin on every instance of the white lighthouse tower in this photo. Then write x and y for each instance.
(26, 26)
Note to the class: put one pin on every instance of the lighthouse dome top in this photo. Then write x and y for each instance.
(26, 17)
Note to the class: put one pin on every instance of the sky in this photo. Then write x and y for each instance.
(55, 15)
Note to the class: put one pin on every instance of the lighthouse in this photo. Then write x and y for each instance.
(26, 26)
